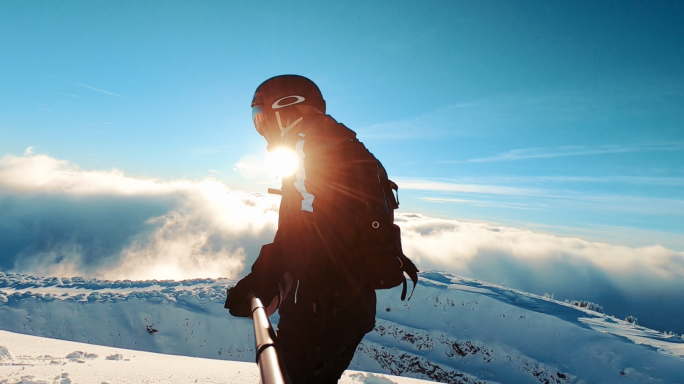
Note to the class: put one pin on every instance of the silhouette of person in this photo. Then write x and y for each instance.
(312, 272)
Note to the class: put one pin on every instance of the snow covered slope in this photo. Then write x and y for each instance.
(454, 329)
(38, 360)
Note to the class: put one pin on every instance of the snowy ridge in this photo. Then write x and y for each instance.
(454, 329)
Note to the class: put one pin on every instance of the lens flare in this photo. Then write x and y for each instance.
(282, 162)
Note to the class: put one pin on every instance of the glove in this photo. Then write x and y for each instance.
(238, 301)
(265, 282)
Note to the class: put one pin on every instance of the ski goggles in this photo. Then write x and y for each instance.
(258, 118)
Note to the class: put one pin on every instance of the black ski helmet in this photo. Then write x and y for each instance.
(278, 92)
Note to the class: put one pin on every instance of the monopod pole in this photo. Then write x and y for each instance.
(266, 356)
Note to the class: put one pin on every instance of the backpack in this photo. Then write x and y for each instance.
(381, 260)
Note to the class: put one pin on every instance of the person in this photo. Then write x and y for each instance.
(313, 272)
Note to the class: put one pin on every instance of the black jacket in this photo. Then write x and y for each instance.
(324, 236)
(317, 238)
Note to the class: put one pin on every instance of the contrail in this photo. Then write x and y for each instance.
(99, 90)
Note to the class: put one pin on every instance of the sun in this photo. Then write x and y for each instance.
(282, 162)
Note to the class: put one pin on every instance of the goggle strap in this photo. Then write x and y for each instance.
(284, 130)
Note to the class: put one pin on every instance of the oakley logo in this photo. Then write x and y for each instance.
(277, 104)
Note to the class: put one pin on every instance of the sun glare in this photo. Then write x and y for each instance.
(282, 162)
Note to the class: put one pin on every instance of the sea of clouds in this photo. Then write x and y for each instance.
(59, 220)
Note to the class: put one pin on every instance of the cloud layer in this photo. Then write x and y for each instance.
(486, 250)
(645, 282)
(582, 150)
(60, 220)
(63, 220)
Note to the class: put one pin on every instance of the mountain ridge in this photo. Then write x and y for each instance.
(454, 330)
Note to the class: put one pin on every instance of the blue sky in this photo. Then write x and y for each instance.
(561, 117)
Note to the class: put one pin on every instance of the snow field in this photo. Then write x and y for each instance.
(36, 360)
(454, 330)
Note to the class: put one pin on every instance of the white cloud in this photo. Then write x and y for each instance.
(440, 186)
(252, 167)
(477, 203)
(42, 173)
(204, 233)
(177, 249)
(208, 230)
(208, 219)
(205, 236)
(431, 125)
(541, 198)
(644, 281)
(455, 246)
(98, 90)
(578, 150)
(530, 180)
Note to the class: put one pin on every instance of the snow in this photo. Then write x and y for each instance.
(454, 330)
(37, 360)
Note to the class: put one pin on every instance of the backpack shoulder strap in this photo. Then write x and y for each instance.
(412, 272)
